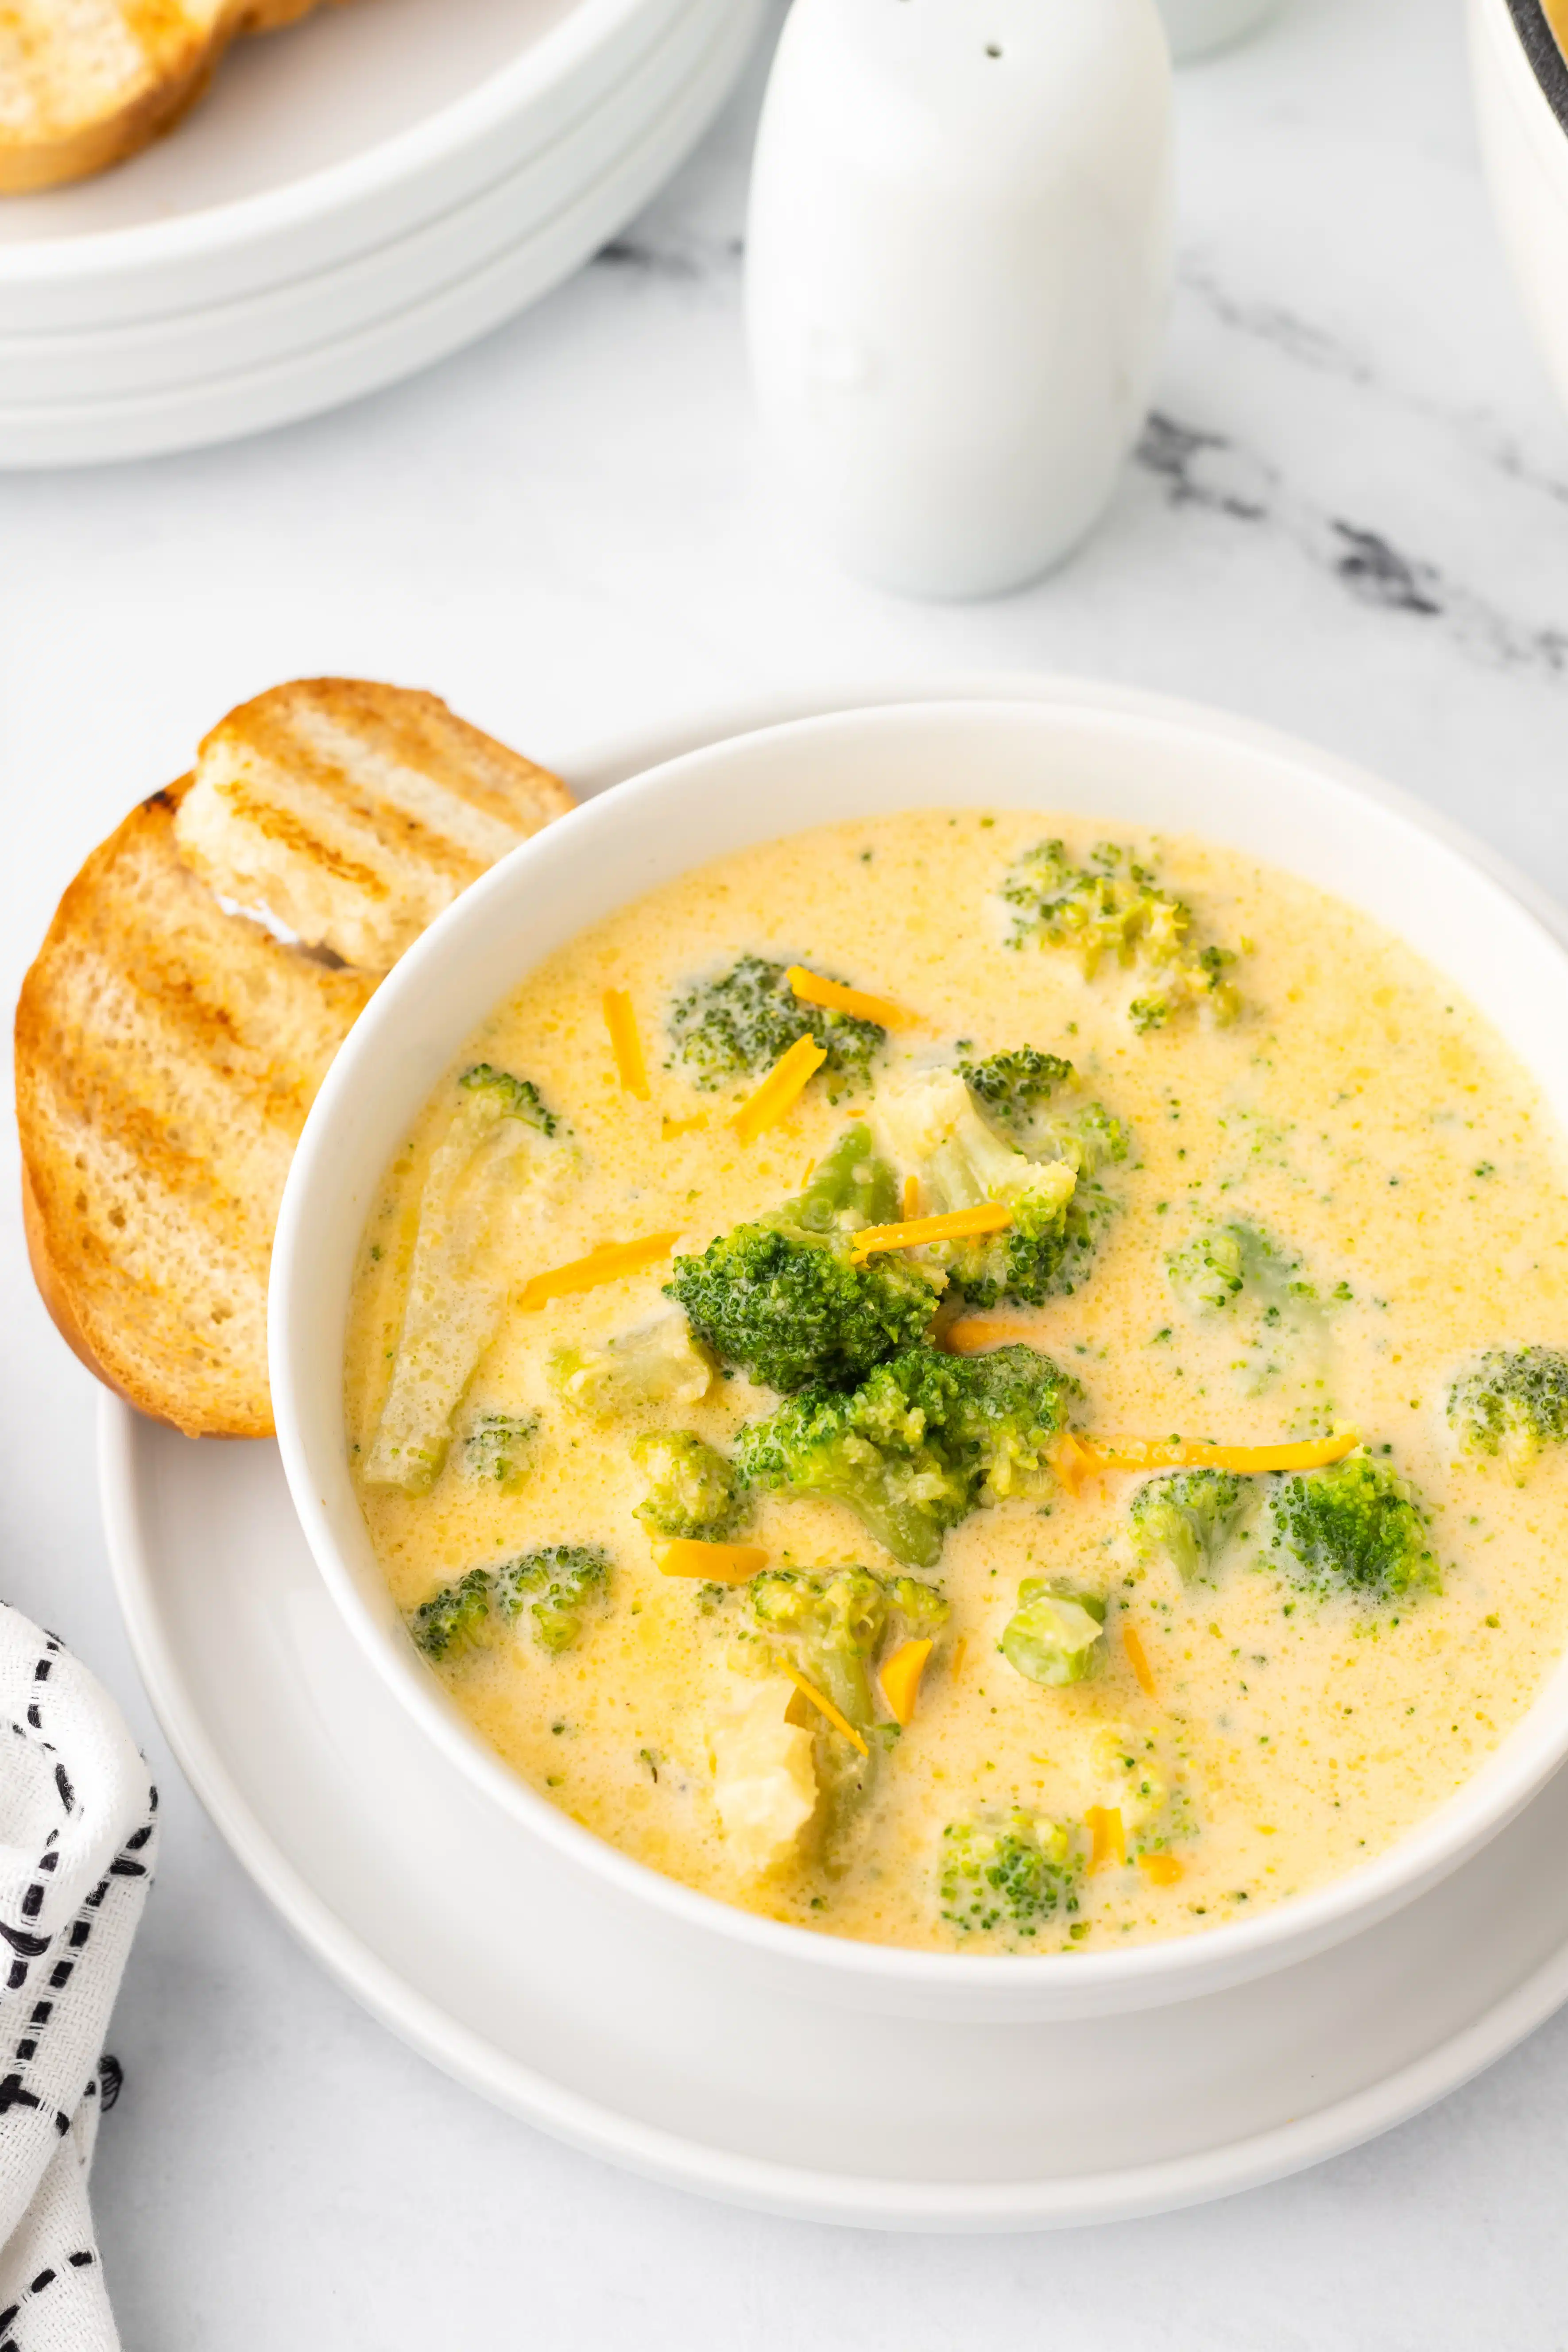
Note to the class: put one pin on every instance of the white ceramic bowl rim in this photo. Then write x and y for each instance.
(314, 1456)
(507, 95)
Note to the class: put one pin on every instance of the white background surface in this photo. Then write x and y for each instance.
(570, 528)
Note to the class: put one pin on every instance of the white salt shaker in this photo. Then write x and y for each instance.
(958, 265)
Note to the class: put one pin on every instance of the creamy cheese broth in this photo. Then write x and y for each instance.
(1348, 1111)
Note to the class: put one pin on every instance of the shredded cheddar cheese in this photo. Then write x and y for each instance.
(972, 1335)
(958, 1225)
(814, 1698)
(812, 989)
(716, 1563)
(1161, 1869)
(1075, 1459)
(900, 1678)
(605, 1265)
(782, 1087)
(912, 1199)
(1138, 1659)
(670, 1128)
(625, 1042)
(1108, 1838)
(960, 1651)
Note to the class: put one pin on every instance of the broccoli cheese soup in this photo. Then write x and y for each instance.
(968, 1386)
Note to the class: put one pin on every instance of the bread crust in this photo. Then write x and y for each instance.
(30, 164)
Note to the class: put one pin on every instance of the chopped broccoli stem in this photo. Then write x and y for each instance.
(555, 1584)
(1187, 1517)
(515, 1098)
(790, 1309)
(494, 1181)
(660, 1362)
(849, 1187)
(495, 1451)
(692, 1490)
(737, 1025)
(1114, 907)
(1053, 1637)
(1012, 1875)
(455, 1620)
(924, 1439)
(1354, 1527)
(1513, 1401)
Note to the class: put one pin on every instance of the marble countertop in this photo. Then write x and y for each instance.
(1348, 517)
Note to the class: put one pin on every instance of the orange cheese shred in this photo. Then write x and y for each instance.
(958, 1225)
(912, 1199)
(1075, 1459)
(814, 1698)
(812, 989)
(972, 1335)
(1161, 1869)
(1108, 1839)
(670, 1128)
(605, 1265)
(625, 1042)
(715, 1563)
(785, 1083)
(1138, 1659)
(960, 1651)
(900, 1678)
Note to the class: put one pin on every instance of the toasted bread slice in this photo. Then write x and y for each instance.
(354, 814)
(88, 84)
(167, 1055)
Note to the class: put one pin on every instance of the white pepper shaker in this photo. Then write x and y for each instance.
(958, 266)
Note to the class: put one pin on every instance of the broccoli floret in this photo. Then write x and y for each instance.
(692, 1490)
(849, 1187)
(515, 1098)
(555, 1585)
(456, 1620)
(1512, 1402)
(917, 1445)
(495, 1449)
(1237, 1272)
(1114, 907)
(657, 1363)
(1189, 1516)
(790, 1309)
(1355, 1527)
(935, 1131)
(870, 1450)
(833, 1625)
(1015, 1087)
(738, 1024)
(1012, 1875)
(1053, 1635)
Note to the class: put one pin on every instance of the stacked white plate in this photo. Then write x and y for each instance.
(356, 198)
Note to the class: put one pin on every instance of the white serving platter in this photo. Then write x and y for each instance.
(342, 134)
(494, 1957)
(139, 389)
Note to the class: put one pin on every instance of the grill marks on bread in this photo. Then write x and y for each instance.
(354, 814)
(168, 1049)
(86, 83)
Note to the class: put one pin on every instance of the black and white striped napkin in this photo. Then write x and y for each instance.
(77, 1837)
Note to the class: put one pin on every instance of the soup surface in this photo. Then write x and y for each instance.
(904, 1662)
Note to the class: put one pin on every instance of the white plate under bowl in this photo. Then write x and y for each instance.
(512, 1971)
(325, 141)
(427, 297)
